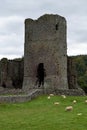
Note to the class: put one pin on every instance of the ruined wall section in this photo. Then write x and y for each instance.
(45, 42)
(11, 73)
(72, 74)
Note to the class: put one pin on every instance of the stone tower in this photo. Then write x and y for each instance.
(45, 42)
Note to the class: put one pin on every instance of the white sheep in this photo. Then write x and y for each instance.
(79, 114)
(51, 94)
(56, 103)
(63, 96)
(48, 97)
(85, 101)
(74, 101)
(69, 108)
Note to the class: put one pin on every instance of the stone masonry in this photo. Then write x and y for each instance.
(11, 73)
(45, 42)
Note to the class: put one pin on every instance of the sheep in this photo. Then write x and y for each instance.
(48, 97)
(51, 94)
(69, 108)
(63, 96)
(85, 101)
(74, 101)
(79, 114)
(56, 103)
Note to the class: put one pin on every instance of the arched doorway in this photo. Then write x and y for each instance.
(40, 74)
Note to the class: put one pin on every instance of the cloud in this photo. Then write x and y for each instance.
(19, 7)
(11, 36)
(14, 12)
(12, 45)
(11, 23)
(77, 35)
(77, 49)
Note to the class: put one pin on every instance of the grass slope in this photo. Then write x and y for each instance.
(42, 114)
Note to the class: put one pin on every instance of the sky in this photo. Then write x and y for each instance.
(14, 12)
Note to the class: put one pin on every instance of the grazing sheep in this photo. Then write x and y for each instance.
(56, 103)
(85, 101)
(51, 94)
(48, 97)
(79, 114)
(74, 101)
(63, 96)
(69, 108)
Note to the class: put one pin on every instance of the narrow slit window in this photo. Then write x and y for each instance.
(56, 26)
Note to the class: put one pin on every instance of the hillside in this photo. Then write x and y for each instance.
(81, 68)
(45, 113)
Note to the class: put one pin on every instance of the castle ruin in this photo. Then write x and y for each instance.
(45, 44)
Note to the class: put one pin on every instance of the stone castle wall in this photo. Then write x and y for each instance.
(45, 42)
(11, 73)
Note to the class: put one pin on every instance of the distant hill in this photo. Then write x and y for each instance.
(81, 68)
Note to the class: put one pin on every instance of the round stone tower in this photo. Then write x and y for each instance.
(45, 43)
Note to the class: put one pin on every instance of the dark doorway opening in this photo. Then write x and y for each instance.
(40, 74)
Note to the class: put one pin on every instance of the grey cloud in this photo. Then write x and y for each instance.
(18, 7)
(81, 36)
(29, 7)
(13, 13)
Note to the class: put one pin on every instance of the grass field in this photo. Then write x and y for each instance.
(42, 114)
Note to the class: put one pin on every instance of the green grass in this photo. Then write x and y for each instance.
(42, 114)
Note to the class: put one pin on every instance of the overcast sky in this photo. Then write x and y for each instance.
(14, 12)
